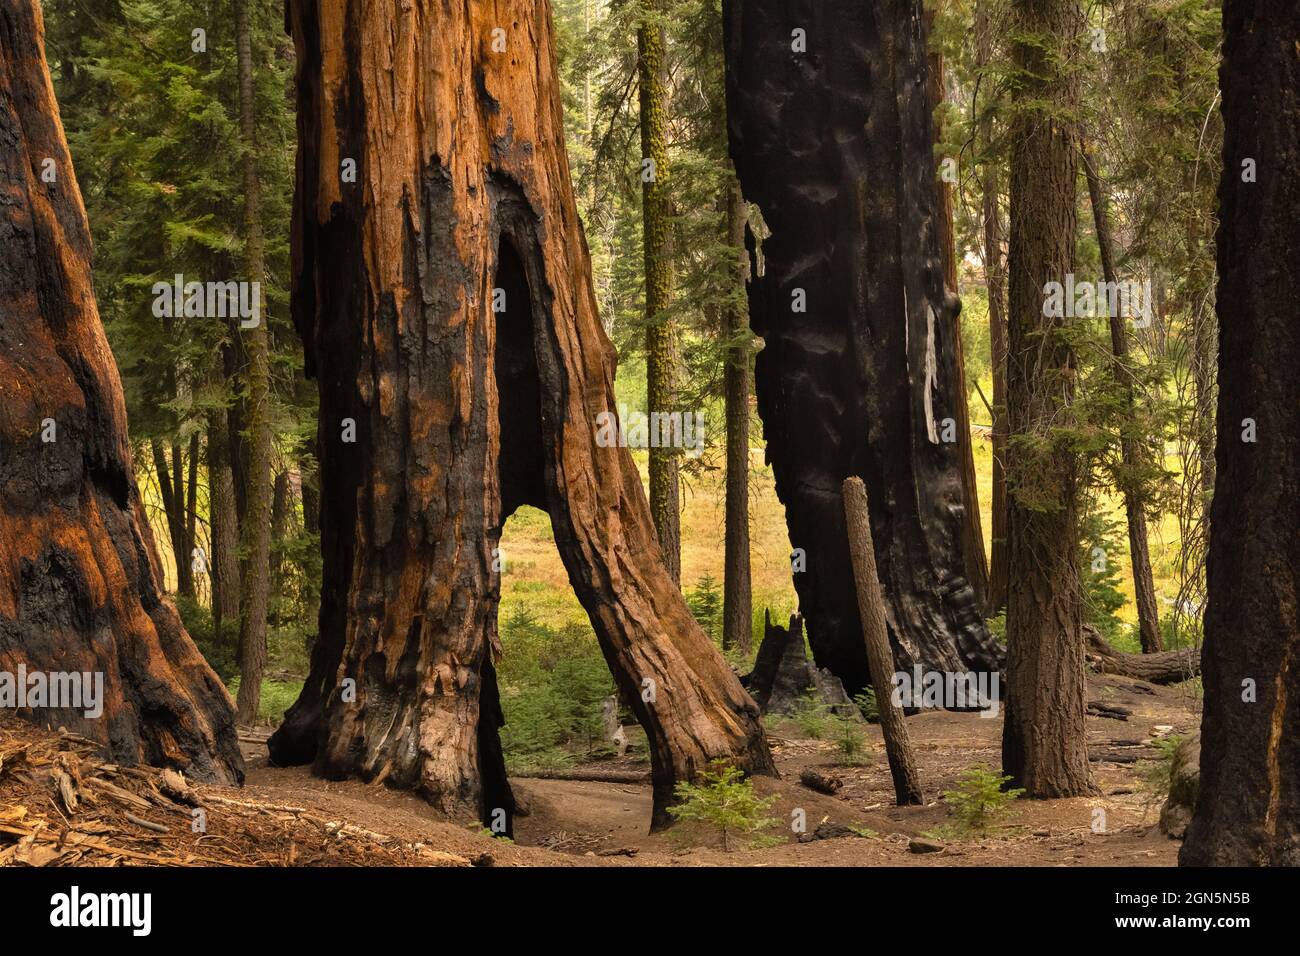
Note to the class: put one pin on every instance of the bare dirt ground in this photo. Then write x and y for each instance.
(285, 816)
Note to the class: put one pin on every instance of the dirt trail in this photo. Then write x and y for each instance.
(581, 822)
(61, 804)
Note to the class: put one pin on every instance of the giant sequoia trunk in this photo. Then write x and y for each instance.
(1248, 804)
(835, 146)
(462, 204)
(80, 580)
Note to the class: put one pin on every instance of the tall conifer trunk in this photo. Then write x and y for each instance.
(1144, 588)
(256, 524)
(661, 331)
(737, 601)
(1044, 743)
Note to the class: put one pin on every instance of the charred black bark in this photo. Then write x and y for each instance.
(1248, 804)
(835, 146)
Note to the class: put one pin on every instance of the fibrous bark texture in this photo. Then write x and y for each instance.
(1248, 804)
(1044, 744)
(80, 579)
(858, 375)
(462, 204)
(661, 331)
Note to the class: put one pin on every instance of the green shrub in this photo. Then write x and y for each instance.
(725, 802)
(552, 685)
(217, 650)
(811, 716)
(981, 798)
(1102, 544)
(866, 702)
(849, 740)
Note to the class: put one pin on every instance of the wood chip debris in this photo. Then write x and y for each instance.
(62, 804)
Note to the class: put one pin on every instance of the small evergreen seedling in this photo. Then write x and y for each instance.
(811, 716)
(725, 801)
(866, 702)
(849, 740)
(980, 799)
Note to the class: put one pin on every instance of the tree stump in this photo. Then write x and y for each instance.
(783, 677)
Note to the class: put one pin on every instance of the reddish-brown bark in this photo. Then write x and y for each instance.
(462, 414)
(80, 581)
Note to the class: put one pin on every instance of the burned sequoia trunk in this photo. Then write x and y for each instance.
(1248, 804)
(859, 372)
(444, 296)
(80, 579)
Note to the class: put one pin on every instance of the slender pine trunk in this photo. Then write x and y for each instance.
(257, 526)
(1144, 587)
(1044, 743)
(737, 601)
(661, 332)
(995, 283)
(224, 535)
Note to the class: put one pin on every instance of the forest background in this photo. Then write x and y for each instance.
(153, 93)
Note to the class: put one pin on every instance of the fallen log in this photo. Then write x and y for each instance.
(1164, 667)
(821, 782)
(1113, 711)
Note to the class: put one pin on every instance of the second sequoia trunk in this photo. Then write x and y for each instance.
(831, 133)
(444, 295)
(81, 587)
(1248, 804)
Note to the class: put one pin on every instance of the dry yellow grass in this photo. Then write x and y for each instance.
(535, 577)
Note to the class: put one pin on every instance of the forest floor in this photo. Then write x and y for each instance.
(60, 805)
